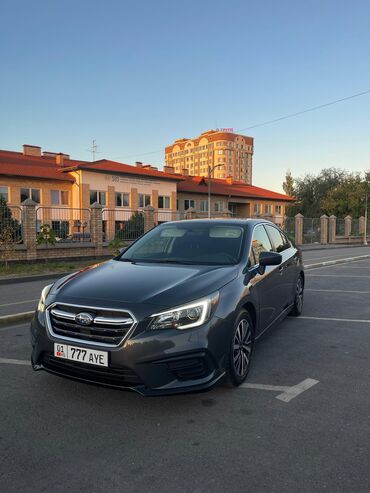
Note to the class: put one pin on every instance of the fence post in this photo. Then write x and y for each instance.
(190, 213)
(148, 218)
(29, 228)
(361, 225)
(324, 229)
(298, 229)
(347, 226)
(332, 228)
(97, 227)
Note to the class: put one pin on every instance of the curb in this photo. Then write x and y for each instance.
(334, 262)
(37, 277)
(16, 317)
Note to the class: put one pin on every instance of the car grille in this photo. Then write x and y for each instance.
(105, 328)
(112, 376)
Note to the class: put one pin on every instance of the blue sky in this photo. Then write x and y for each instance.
(135, 75)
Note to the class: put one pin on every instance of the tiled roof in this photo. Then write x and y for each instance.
(114, 167)
(196, 184)
(16, 164)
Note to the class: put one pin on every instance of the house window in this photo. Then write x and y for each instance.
(204, 206)
(96, 196)
(163, 202)
(256, 208)
(4, 193)
(143, 200)
(189, 203)
(59, 197)
(277, 209)
(267, 209)
(121, 199)
(219, 206)
(30, 193)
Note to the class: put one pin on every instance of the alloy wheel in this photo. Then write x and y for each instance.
(242, 347)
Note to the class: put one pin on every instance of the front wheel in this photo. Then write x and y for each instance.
(298, 299)
(240, 354)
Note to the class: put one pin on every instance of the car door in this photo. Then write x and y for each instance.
(287, 267)
(266, 284)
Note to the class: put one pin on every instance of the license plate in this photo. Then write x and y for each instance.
(82, 355)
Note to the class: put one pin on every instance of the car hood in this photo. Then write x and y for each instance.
(164, 285)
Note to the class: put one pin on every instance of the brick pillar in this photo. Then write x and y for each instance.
(347, 226)
(324, 229)
(298, 228)
(148, 218)
(109, 215)
(97, 227)
(154, 199)
(332, 228)
(361, 225)
(133, 199)
(173, 205)
(29, 227)
(190, 213)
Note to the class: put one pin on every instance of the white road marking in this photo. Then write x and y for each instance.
(333, 275)
(292, 392)
(338, 291)
(18, 302)
(339, 256)
(288, 392)
(10, 361)
(336, 319)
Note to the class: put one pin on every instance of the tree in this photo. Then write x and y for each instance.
(288, 185)
(46, 235)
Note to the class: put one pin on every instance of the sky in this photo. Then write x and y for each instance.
(135, 75)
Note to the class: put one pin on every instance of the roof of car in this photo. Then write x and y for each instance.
(237, 221)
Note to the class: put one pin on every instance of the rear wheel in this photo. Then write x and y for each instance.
(240, 354)
(298, 299)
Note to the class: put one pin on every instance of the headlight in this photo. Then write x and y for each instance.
(44, 294)
(186, 316)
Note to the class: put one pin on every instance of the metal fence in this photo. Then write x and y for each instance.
(288, 227)
(125, 224)
(311, 230)
(10, 224)
(165, 216)
(340, 227)
(67, 224)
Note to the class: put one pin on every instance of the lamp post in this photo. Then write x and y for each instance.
(366, 195)
(210, 171)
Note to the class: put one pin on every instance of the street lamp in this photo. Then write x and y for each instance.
(210, 171)
(366, 195)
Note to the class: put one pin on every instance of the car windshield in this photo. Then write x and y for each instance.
(188, 243)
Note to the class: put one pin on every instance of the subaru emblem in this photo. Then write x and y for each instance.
(84, 318)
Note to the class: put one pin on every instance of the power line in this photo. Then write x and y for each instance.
(275, 120)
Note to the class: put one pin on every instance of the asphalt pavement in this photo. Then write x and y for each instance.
(23, 296)
(58, 435)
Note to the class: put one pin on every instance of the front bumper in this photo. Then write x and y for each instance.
(150, 362)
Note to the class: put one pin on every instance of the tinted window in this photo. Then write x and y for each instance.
(278, 241)
(189, 243)
(260, 242)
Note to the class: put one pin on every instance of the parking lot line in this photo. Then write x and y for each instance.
(334, 275)
(336, 319)
(288, 392)
(9, 361)
(18, 302)
(338, 291)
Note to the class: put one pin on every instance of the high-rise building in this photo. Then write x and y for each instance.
(227, 153)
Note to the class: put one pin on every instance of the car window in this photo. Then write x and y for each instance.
(287, 243)
(260, 242)
(278, 241)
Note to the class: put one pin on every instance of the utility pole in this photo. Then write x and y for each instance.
(210, 171)
(366, 196)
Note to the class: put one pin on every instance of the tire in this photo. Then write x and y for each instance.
(241, 349)
(298, 298)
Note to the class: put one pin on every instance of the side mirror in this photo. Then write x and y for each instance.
(270, 258)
